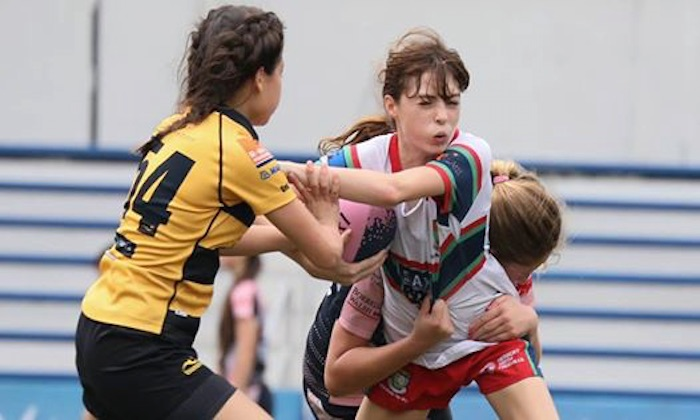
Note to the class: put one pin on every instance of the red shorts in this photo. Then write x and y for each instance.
(493, 368)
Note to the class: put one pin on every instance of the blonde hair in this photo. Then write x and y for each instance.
(526, 220)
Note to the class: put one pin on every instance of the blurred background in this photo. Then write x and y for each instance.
(601, 97)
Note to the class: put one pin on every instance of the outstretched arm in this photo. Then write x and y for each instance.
(377, 188)
(290, 230)
(315, 234)
(259, 239)
(346, 274)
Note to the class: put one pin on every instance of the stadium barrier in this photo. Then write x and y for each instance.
(17, 386)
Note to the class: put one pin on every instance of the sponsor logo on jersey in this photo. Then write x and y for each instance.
(267, 174)
(398, 382)
(510, 358)
(190, 366)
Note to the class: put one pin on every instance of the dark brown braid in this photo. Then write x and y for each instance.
(225, 50)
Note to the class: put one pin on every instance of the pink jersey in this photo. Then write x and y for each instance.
(244, 299)
(246, 304)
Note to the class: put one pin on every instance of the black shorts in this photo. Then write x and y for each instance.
(130, 374)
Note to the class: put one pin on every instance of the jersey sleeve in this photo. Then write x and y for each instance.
(255, 176)
(243, 300)
(463, 168)
(362, 309)
(347, 157)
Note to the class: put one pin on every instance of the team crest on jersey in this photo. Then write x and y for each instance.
(415, 285)
(398, 382)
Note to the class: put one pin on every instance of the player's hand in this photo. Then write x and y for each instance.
(298, 188)
(348, 273)
(293, 169)
(319, 193)
(344, 273)
(432, 325)
(505, 319)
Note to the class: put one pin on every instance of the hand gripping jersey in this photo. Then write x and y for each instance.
(197, 190)
(439, 245)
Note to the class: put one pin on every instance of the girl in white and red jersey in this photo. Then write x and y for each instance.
(437, 179)
(525, 227)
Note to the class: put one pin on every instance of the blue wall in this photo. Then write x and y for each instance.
(59, 398)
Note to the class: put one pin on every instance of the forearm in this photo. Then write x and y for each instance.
(310, 267)
(361, 367)
(246, 345)
(260, 239)
(379, 188)
(369, 187)
(389, 190)
(242, 372)
(319, 242)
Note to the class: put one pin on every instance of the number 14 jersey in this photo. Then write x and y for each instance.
(196, 191)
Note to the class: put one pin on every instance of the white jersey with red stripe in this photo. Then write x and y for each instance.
(440, 241)
(465, 305)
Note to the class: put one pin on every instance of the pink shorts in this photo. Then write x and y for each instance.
(493, 368)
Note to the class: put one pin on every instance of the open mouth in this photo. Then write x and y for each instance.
(440, 137)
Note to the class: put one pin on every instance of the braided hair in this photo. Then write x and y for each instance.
(225, 50)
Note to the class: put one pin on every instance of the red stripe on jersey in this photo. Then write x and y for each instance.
(355, 157)
(394, 285)
(451, 238)
(465, 279)
(525, 287)
(432, 268)
(394, 157)
(475, 156)
(447, 182)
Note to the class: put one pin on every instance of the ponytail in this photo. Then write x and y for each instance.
(364, 129)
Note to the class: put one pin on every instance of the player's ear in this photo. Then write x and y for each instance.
(259, 79)
(390, 106)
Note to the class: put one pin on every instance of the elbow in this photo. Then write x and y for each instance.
(335, 388)
(390, 196)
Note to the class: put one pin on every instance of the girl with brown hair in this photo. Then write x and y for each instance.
(203, 179)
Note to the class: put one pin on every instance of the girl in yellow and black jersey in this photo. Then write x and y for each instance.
(203, 179)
